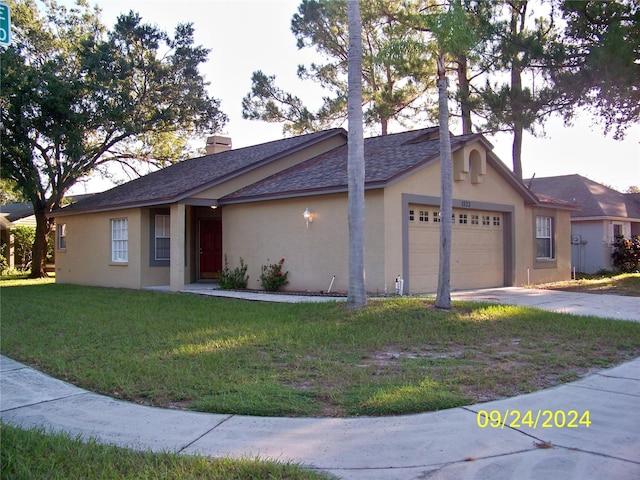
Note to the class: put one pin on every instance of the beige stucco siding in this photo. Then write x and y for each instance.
(530, 270)
(268, 231)
(87, 258)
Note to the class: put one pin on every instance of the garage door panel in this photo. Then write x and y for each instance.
(477, 258)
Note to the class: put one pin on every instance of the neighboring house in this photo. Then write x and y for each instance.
(177, 225)
(13, 215)
(604, 214)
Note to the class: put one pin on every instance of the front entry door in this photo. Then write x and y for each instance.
(210, 247)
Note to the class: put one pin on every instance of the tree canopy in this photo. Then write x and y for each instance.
(76, 96)
(532, 59)
(600, 63)
(394, 86)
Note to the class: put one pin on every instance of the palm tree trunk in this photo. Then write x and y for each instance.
(443, 297)
(356, 297)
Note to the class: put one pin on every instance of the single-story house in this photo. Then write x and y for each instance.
(604, 214)
(288, 199)
(14, 215)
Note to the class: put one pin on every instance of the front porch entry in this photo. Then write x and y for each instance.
(210, 248)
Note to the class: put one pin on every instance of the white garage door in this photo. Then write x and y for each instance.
(477, 251)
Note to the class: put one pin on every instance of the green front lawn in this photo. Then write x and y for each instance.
(28, 455)
(230, 356)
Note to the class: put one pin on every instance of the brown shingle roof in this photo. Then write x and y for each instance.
(386, 157)
(190, 176)
(595, 199)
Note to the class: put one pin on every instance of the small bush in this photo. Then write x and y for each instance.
(236, 279)
(23, 238)
(626, 254)
(272, 277)
(4, 264)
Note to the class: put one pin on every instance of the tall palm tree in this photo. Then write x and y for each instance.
(355, 165)
(443, 296)
(453, 37)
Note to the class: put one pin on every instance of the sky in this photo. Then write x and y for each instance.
(249, 35)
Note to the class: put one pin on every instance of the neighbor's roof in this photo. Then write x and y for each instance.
(15, 214)
(188, 177)
(387, 158)
(16, 211)
(595, 199)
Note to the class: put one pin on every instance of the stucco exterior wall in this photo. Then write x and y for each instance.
(87, 258)
(265, 232)
(532, 271)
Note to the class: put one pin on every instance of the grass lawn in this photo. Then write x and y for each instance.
(26, 455)
(627, 284)
(228, 356)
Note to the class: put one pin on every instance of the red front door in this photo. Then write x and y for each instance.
(210, 247)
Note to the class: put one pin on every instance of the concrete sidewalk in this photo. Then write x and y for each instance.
(449, 444)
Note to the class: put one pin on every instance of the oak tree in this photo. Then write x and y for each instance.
(76, 97)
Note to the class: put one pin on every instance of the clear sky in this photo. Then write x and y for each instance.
(249, 35)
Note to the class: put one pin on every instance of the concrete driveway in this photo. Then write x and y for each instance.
(606, 306)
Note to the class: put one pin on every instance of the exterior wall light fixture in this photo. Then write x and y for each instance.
(308, 216)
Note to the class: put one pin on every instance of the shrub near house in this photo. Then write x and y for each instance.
(272, 277)
(626, 254)
(236, 279)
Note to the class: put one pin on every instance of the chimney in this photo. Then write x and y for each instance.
(217, 144)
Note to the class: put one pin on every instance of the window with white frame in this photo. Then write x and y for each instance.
(119, 240)
(544, 238)
(61, 230)
(618, 230)
(162, 237)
